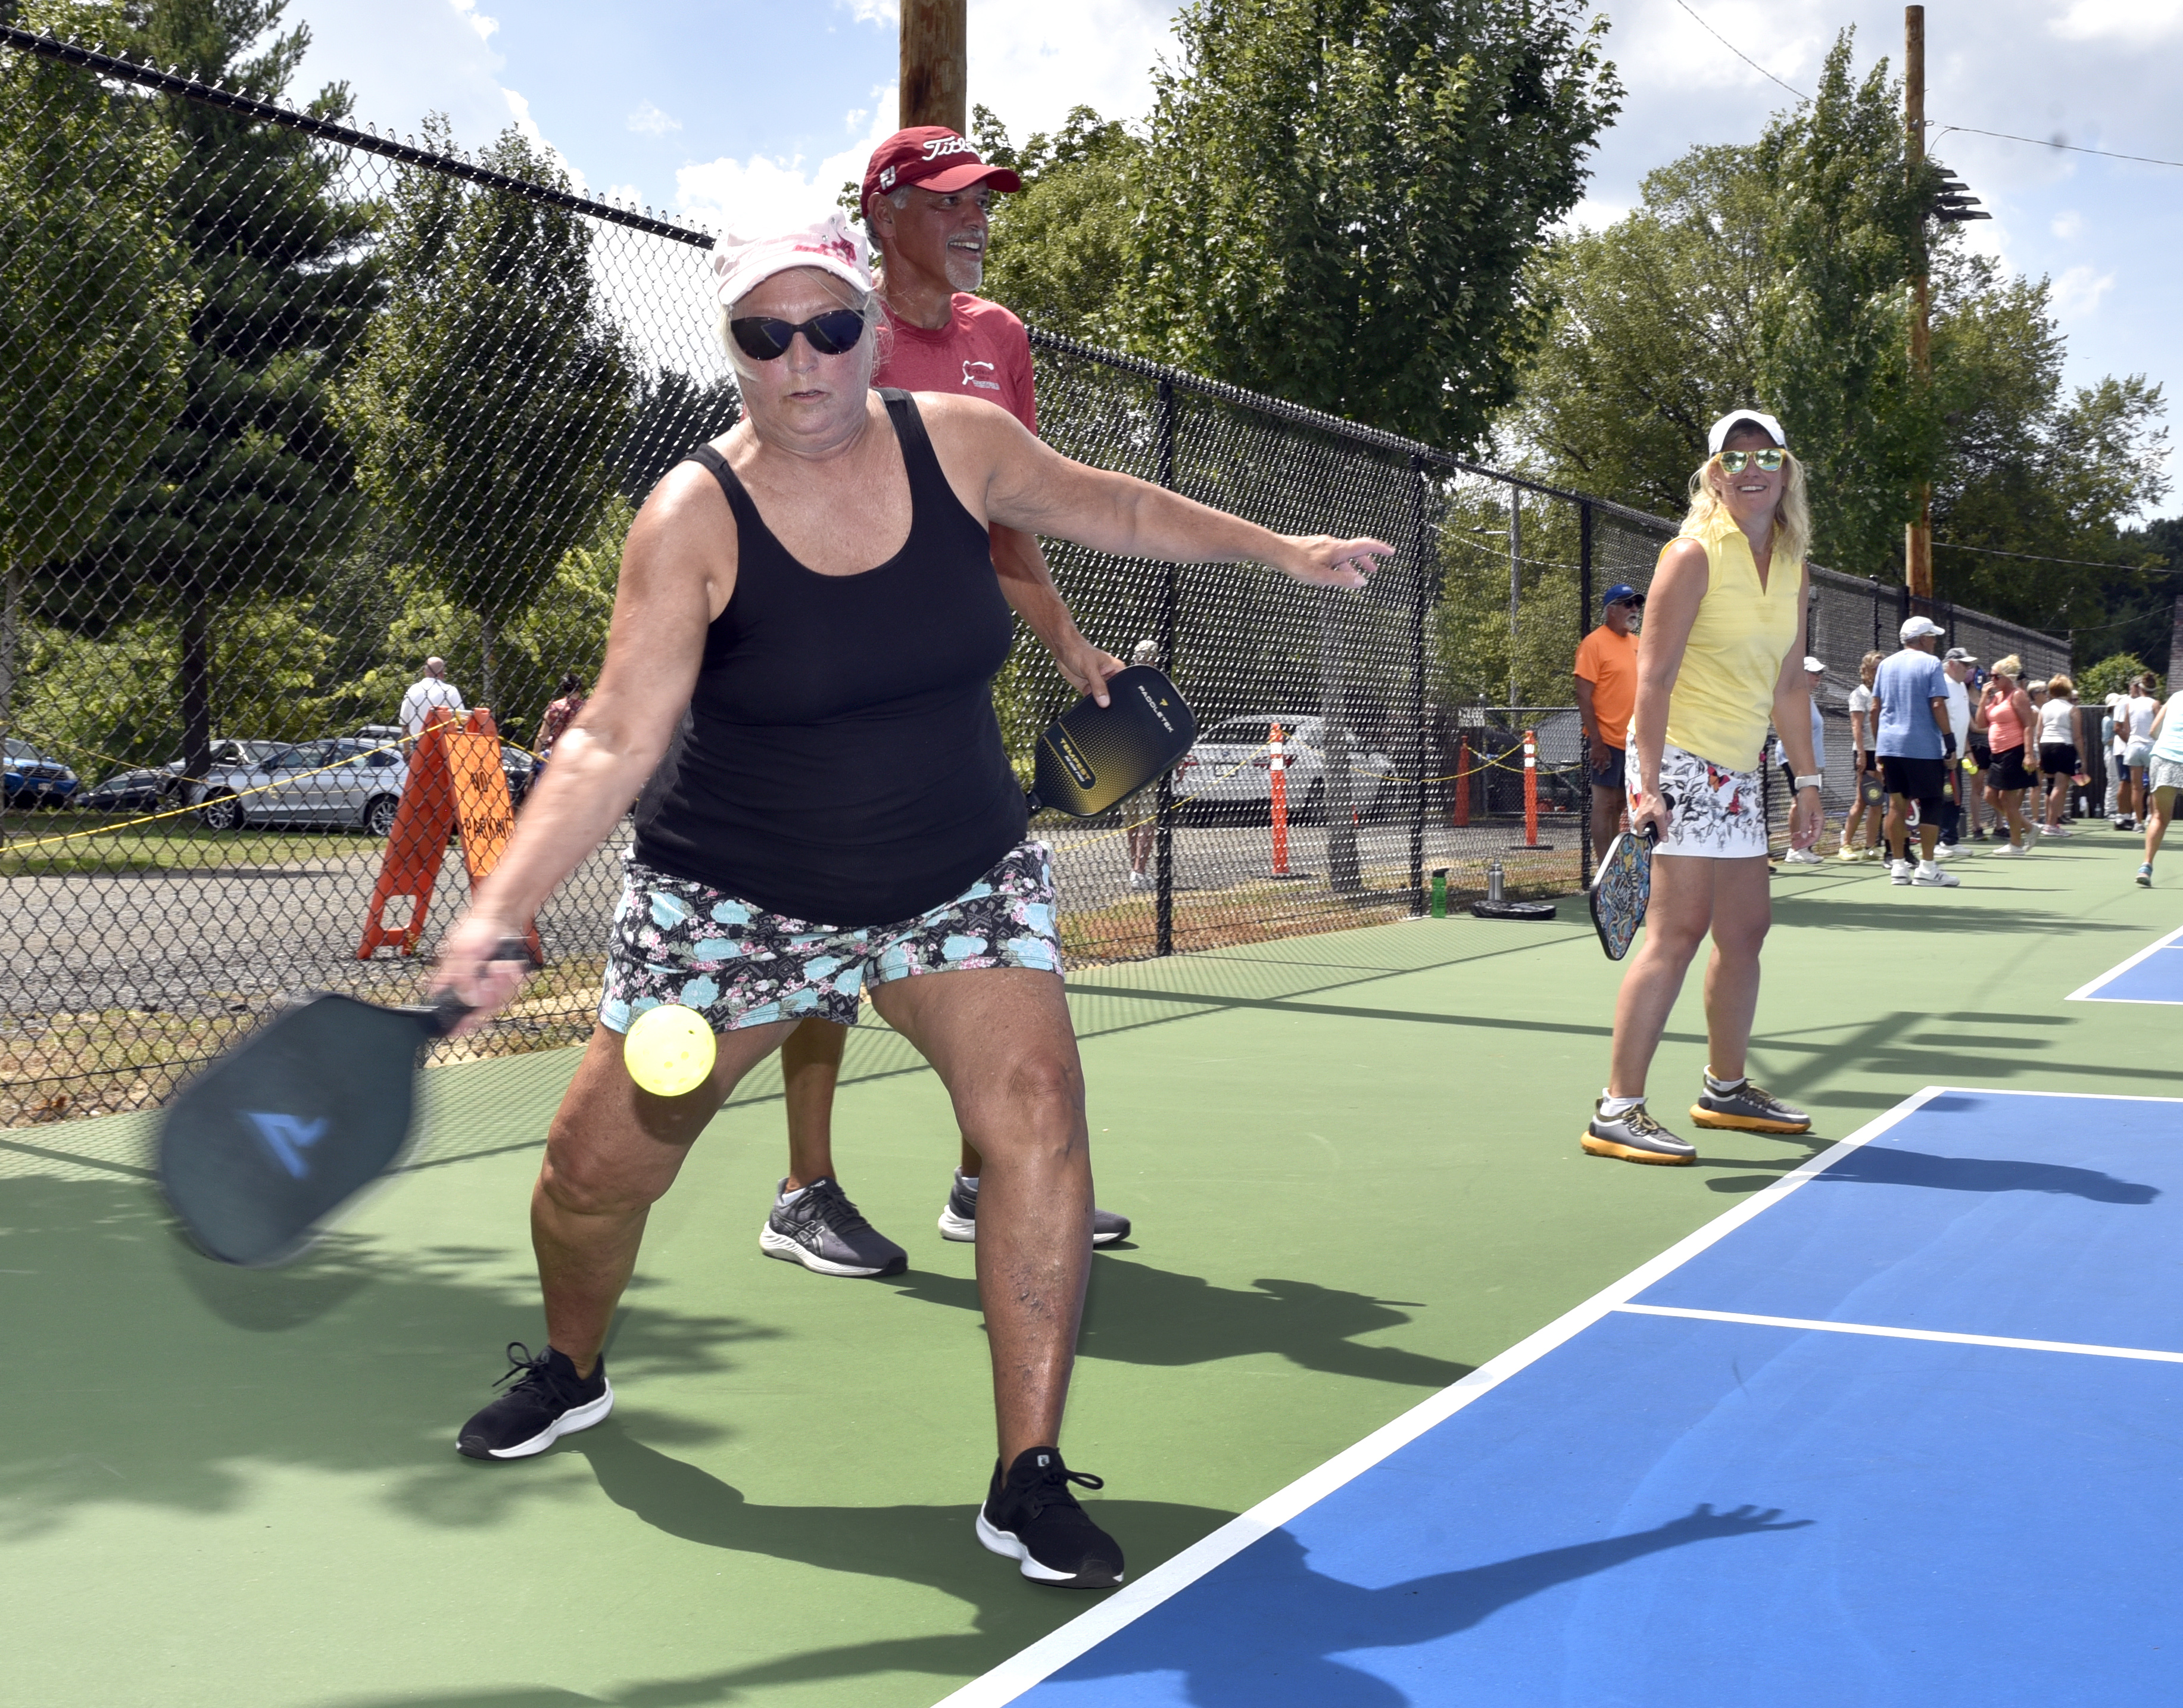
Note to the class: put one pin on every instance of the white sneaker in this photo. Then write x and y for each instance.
(2056, 831)
(1898, 871)
(1140, 879)
(1945, 851)
(1932, 878)
(2010, 851)
(1803, 857)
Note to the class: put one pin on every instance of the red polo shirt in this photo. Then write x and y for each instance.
(982, 351)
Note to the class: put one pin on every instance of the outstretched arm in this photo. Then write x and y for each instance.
(1019, 481)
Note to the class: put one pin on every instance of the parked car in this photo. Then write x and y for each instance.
(152, 788)
(36, 779)
(1228, 769)
(352, 781)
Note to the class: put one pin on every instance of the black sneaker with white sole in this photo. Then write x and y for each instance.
(824, 1231)
(549, 1401)
(959, 1216)
(1030, 1516)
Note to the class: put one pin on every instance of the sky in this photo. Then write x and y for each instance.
(729, 113)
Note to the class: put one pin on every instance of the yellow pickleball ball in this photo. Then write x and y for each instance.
(669, 1051)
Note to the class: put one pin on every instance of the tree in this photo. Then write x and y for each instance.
(87, 393)
(249, 491)
(492, 395)
(1060, 255)
(1337, 199)
(1773, 274)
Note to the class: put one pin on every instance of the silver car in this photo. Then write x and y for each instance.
(342, 780)
(1230, 768)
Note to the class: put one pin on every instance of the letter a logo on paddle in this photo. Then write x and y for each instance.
(288, 1139)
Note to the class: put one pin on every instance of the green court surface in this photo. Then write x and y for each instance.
(1353, 1163)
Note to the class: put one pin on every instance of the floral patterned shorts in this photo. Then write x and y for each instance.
(677, 941)
(1713, 812)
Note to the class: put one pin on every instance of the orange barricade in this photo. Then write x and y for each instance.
(1462, 782)
(455, 782)
(1278, 799)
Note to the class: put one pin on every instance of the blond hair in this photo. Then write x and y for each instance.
(1870, 663)
(1793, 515)
(2012, 667)
(2063, 686)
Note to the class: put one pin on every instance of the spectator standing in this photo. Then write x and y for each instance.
(560, 712)
(2111, 729)
(1965, 781)
(1915, 748)
(430, 693)
(2008, 718)
(2058, 752)
(2134, 724)
(1606, 696)
(1869, 800)
(1815, 676)
(2164, 766)
(925, 200)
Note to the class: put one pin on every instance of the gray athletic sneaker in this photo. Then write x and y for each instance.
(827, 1234)
(959, 1217)
(1634, 1136)
(1749, 1109)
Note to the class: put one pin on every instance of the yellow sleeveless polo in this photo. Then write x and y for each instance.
(1723, 699)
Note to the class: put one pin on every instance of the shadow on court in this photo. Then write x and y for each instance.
(1297, 1619)
(1885, 1165)
(1138, 1314)
(129, 1384)
(1831, 912)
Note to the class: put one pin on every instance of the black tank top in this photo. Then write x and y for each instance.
(840, 762)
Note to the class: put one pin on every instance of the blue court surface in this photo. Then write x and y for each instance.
(2154, 974)
(1906, 1428)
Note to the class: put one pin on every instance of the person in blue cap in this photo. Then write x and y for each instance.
(1606, 696)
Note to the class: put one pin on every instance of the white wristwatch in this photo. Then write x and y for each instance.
(1810, 781)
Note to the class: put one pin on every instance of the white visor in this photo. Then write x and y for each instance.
(1758, 418)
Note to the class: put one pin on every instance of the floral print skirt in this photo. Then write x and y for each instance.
(678, 941)
(1712, 811)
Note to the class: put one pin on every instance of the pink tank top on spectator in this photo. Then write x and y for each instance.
(2004, 729)
(982, 351)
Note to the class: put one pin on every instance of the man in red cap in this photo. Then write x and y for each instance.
(926, 193)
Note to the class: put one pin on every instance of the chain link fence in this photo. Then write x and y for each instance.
(294, 404)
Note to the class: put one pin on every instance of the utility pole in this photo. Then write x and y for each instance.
(1917, 536)
(935, 81)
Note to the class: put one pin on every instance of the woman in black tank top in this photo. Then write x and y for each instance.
(815, 592)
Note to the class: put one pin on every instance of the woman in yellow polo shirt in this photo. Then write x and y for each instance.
(1722, 655)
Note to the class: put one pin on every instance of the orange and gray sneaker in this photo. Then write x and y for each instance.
(1748, 1108)
(1634, 1136)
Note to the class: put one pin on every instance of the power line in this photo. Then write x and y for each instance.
(1739, 53)
(2035, 558)
(2038, 142)
(1969, 129)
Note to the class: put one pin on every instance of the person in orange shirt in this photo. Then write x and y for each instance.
(1605, 695)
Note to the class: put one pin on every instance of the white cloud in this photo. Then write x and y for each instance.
(887, 12)
(648, 118)
(764, 192)
(2078, 291)
(2068, 224)
(1032, 69)
(476, 19)
(1594, 213)
(2136, 21)
(527, 128)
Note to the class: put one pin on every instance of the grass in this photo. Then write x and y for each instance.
(104, 844)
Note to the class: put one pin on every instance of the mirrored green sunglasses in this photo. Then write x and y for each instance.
(1735, 462)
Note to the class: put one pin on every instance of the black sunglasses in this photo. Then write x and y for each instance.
(764, 339)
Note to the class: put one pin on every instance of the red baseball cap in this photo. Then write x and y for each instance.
(933, 158)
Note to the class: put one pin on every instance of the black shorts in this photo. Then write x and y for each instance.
(1981, 754)
(1922, 780)
(1611, 775)
(2057, 758)
(2008, 773)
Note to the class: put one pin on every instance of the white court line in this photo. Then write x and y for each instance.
(1135, 1599)
(1886, 1334)
(2090, 993)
